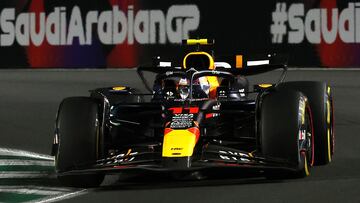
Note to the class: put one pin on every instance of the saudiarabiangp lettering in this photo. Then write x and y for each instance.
(112, 26)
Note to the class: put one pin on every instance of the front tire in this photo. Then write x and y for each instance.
(286, 132)
(77, 127)
(321, 102)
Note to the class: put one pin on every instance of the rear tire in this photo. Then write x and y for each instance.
(321, 102)
(286, 132)
(77, 128)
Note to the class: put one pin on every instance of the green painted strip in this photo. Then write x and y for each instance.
(27, 168)
(22, 158)
(17, 197)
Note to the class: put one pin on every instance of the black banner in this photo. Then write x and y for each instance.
(119, 33)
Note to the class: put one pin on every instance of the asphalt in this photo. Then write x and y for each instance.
(29, 100)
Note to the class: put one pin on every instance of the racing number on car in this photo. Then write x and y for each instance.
(184, 110)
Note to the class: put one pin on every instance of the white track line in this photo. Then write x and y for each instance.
(61, 197)
(27, 191)
(16, 162)
(53, 194)
(25, 174)
(56, 189)
(14, 152)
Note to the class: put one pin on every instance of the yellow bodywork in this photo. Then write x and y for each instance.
(211, 59)
(239, 61)
(199, 42)
(214, 84)
(265, 85)
(119, 88)
(178, 143)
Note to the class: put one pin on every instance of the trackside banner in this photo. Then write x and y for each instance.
(128, 33)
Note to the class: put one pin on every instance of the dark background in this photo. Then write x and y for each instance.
(238, 27)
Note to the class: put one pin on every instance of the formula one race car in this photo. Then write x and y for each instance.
(199, 116)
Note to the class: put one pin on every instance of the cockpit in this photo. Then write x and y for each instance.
(195, 78)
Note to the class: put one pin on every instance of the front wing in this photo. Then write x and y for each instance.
(216, 158)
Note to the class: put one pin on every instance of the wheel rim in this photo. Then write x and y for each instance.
(309, 136)
(330, 125)
(306, 139)
(332, 128)
(306, 165)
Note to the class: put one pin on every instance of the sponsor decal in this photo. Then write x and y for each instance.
(302, 134)
(64, 25)
(182, 121)
(216, 107)
(302, 111)
(212, 115)
(235, 156)
(177, 148)
(128, 157)
(222, 93)
(120, 158)
(170, 94)
(183, 118)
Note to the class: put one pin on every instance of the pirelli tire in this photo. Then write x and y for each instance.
(285, 130)
(78, 131)
(321, 102)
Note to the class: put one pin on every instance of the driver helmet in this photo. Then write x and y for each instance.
(183, 88)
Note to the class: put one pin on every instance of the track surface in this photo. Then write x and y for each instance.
(29, 100)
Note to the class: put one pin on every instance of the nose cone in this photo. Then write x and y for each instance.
(179, 142)
(177, 162)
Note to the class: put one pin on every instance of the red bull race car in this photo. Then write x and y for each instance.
(201, 115)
